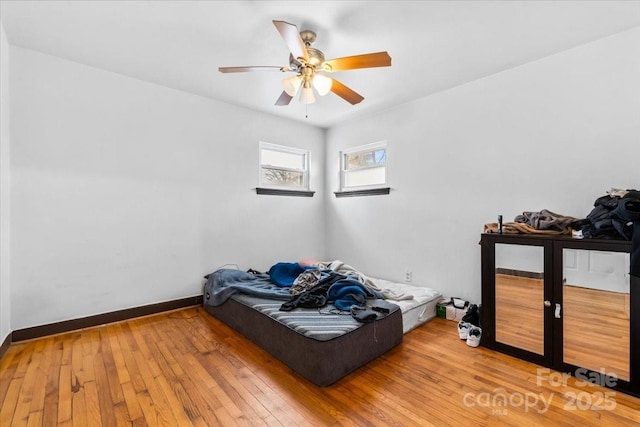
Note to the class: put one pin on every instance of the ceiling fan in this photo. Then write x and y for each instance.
(309, 67)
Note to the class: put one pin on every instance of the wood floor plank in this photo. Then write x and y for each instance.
(31, 374)
(92, 404)
(10, 401)
(152, 415)
(200, 398)
(111, 371)
(158, 399)
(79, 408)
(114, 333)
(40, 380)
(183, 406)
(131, 400)
(273, 401)
(50, 410)
(10, 358)
(204, 381)
(275, 375)
(186, 368)
(228, 386)
(64, 394)
(105, 401)
(191, 397)
(23, 362)
(35, 419)
(121, 414)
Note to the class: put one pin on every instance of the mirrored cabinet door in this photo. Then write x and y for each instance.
(564, 303)
(596, 306)
(519, 296)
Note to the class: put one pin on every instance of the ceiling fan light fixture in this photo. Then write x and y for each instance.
(322, 84)
(291, 85)
(307, 96)
(305, 61)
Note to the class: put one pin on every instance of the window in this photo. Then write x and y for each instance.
(364, 167)
(283, 167)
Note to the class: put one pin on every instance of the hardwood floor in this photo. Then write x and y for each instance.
(186, 368)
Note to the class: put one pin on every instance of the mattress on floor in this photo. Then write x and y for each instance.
(321, 324)
(318, 350)
(416, 311)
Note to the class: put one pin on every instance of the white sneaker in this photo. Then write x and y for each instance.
(473, 336)
(463, 329)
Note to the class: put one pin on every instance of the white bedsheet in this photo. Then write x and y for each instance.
(417, 310)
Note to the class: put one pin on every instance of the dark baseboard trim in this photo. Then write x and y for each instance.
(101, 319)
(5, 345)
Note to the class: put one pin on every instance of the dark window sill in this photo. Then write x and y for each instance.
(358, 193)
(278, 192)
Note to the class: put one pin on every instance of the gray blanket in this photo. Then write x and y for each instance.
(223, 283)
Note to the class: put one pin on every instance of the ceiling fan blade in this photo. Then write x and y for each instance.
(345, 93)
(291, 36)
(284, 99)
(256, 68)
(368, 60)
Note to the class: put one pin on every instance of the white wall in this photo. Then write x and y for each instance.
(553, 134)
(5, 294)
(125, 193)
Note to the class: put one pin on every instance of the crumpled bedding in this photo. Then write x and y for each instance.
(341, 290)
(334, 282)
(342, 268)
(223, 283)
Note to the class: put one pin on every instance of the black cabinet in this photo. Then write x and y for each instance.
(563, 303)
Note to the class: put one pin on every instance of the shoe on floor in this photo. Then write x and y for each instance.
(463, 329)
(473, 336)
(472, 316)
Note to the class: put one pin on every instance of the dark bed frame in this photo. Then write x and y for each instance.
(321, 362)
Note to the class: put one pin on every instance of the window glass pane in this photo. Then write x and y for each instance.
(372, 176)
(364, 159)
(282, 159)
(286, 178)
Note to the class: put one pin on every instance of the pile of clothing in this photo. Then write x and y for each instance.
(316, 285)
(611, 216)
(615, 216)
(543, 222)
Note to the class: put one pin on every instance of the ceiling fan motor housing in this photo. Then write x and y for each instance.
(316, 57)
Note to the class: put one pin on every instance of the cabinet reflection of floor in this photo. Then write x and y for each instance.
(519, 312)
(596, 330)
(595, 322)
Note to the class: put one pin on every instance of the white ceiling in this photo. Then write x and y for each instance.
(434, 45)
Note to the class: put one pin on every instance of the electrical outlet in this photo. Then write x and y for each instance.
(408, 276)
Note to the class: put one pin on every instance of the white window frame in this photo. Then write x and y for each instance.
(284, 149)
(361, 149)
